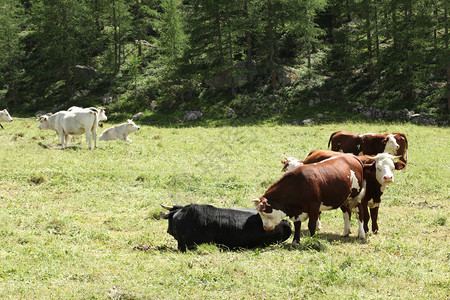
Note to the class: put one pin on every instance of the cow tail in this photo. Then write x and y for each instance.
(95, 126)
(331, 137)
(406, 140)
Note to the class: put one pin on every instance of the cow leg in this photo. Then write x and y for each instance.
(361, 232)
(94, 136)
(312, 223)
(67, 139)
(88, 139)
(374, 217)
(297, 226)
(181, 246)
(346, 214)
(319, 223)
(62, 138)
(366, 216)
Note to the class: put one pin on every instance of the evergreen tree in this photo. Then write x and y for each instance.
(11, 18)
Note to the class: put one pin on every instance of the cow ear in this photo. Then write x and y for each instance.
(369, 167)
(399, 165)
(165, 214)
(385, 141)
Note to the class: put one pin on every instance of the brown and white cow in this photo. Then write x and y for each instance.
(308, 189)
(378, 173)
(370, 143)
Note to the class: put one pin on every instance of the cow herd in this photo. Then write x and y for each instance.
(77, 120)
(352, 176)
(352, 179)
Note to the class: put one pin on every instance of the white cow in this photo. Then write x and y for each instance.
(119, 132)
(101, 111)
(67, 123)
(101, 114)
(5, 117)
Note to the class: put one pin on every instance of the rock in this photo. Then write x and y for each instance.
(153, 106)
(319, 116)
(308, 121)
(367, 114)
(57, 108)
(138, 116)
(192, 115)
(231, 113)
(107, 99)
(40, 113)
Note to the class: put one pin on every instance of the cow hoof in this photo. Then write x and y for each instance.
(295, 243)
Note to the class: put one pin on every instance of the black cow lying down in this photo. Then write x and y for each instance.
(196, 224)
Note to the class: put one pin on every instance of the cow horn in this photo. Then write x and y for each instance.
(166, 207)
(256, 200)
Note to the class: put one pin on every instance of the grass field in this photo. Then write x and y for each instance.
(85, 224)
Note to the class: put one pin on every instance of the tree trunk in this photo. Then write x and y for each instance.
(220, 48)
(116, 49)
(271, 46)
(446, 51)
(248, 38)
(230, 69)
(369, 41)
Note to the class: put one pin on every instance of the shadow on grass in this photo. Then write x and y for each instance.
(151, 248)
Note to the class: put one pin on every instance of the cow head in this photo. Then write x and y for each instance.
(44, 123)
(290, 163)
(101, 114)
(383, 166)
(5, 117)
(131, 127)
(391, 145)
(269, 216)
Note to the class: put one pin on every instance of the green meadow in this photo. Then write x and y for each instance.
(86, 224)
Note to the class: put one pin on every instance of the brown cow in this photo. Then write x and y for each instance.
(377, 175)
(306, 190)
(370, 143)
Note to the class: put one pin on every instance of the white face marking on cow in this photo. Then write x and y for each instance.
(324, 207)
(384, 164)
(291, 163)
(346, 224)
(354, 181)
(302, 218)
(271, 220)
(391, 145)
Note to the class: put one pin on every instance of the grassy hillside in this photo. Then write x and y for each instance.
(85, 224)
